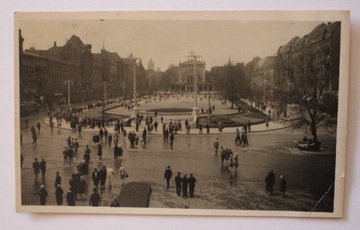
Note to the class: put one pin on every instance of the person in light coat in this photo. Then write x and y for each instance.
(110, 175)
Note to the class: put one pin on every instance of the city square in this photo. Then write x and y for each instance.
(248, 129)
(217, 188)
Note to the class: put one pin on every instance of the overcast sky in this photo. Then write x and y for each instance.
(170, 41)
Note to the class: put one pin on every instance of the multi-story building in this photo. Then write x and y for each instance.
(260, 73)
(316, 54)
(45, 75)
(187, 71)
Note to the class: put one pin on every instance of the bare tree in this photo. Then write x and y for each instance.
(308, 90)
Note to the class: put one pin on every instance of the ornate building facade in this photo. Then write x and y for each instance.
(187, 72)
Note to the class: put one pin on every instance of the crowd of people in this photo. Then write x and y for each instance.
(184, 185)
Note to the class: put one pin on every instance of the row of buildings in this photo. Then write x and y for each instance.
(317, 52)
(46, 75)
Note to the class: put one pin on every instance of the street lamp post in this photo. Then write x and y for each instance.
(195, 109)
(135, 109)
(104, 83)
(68, 82)
(209, 111)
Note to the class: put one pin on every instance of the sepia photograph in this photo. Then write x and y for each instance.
(219, 113)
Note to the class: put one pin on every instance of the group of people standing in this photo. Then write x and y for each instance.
(78, 186)
(181, 183)
(270, 182)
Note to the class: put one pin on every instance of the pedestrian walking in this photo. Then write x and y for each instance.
(38, 125)
(102, 174)
(95, 199)
(238, 137)
(87, 154)
(109, 139)
(118, 151)
(42, 166)
(270, 182)
(245, 139)
(82, 186)
(110, 173)
(101, 134)
(207, 129)
(172, 138)
(43, 194)
(52, 126)
(34, 137)
(59, 126)
(222, 154)
(191, 182)
(76, 146)
(216, 146)
(99, 153)
(144, 136)
(65, 155)
(95, 176)
(167, 175)
(184, 183)
(68, 141)
(178, 184)
(70, 197)
(57, 180)
(123, 173)
(70, 154)
(236, 160)
(59, 195)
(73, 182)
(36, 168)
(283, 186)
(32, 129)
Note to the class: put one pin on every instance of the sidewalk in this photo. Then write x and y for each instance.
(273, 126)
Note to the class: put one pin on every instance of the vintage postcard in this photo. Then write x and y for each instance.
(222, 113)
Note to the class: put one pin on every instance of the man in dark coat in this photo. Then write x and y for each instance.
(184, 181)
(57, 180)
(167, 176)
(192, 182)
(270, 182)
(95, 199)
(178, 184)
(59, 194)
(95, 176)
(43, 194)
(102, 175)
(101, 134)
(36, 167)
(109, 139)
(70, 198)
(172, 138)
(99, 153)
(73, 182)
(42, 167)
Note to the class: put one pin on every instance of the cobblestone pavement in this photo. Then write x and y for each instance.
(308, 175)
